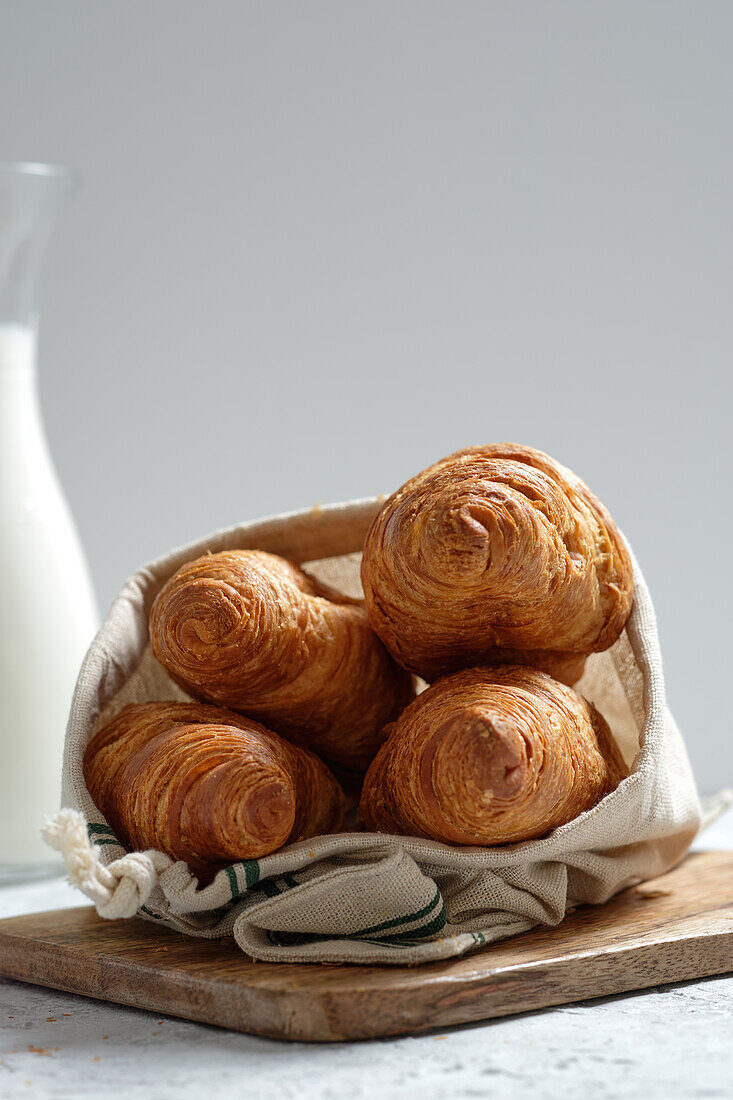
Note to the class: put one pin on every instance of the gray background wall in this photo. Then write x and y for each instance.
(321, 244)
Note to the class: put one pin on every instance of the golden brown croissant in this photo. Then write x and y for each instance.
(489, 756)
(205, 785)
(496, 554)
(251, 631)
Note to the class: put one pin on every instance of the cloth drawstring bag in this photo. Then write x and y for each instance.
(366, 897)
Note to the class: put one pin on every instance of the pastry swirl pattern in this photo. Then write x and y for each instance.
(496, 554)
(205, 785)
(249, 630)
(490, 756)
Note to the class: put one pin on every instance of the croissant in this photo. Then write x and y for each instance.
(251, 631)
(496, 554)
(489, 756)
(205, 785)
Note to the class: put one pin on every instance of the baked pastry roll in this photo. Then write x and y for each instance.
(205, 785)
(490, 756)
(251, 631)
(496, 554)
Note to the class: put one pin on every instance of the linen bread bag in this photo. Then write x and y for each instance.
(374, 897)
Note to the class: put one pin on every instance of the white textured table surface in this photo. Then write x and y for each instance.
(671, 1042)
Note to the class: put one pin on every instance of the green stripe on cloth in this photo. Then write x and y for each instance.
(150, 913)
(251, 872)
(396, 940)
(233, 884)
(409, 919)
(101, 835)
(422, 933)
(251, 876)
(414, 935)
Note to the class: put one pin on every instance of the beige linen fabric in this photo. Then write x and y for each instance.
(371, 898)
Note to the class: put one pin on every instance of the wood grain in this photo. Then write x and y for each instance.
(675, 928)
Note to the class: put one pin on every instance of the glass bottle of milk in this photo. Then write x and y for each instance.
(48, 613)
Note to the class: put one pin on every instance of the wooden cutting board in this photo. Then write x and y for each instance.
(678, 927)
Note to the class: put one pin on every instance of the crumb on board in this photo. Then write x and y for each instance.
(39, 1050)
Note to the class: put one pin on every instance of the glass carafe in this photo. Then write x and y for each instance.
(48, 613)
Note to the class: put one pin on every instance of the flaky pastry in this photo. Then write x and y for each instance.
(252, 631)
(496, 554)
(489, 756)
(205, 785)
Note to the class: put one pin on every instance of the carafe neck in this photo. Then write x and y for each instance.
(31, 198)
(21, 426)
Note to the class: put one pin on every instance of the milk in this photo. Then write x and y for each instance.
(48, 614)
